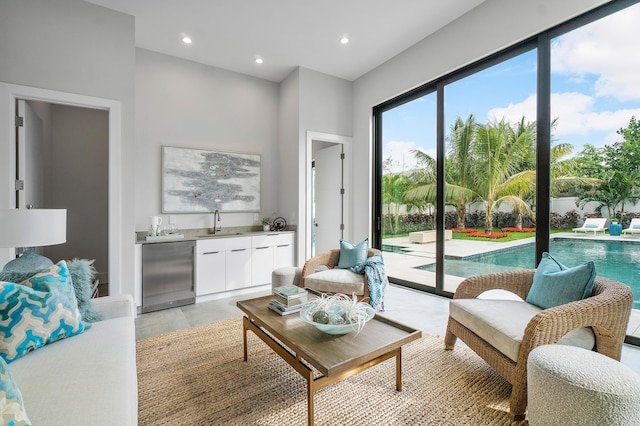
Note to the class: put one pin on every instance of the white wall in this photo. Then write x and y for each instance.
(75, 47)
(490, 27)
(186, 104)
(325, 103)
(309, 101)
(325, 107)
(290, 153)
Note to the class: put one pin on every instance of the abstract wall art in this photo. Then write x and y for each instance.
(197, 180)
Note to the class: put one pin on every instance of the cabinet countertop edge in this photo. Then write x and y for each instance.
(210, 237)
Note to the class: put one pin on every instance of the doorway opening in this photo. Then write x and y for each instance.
(62, 163)
(11, 94)
(328, 196)
(328, 192)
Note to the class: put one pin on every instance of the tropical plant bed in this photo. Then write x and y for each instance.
(478, 234)
(493, 235)
(463, 231)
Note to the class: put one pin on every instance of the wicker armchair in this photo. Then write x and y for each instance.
(606, 312)
(330, 259)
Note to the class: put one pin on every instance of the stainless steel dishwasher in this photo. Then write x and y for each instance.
(168, 275)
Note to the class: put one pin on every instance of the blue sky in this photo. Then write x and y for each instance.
(595, 85)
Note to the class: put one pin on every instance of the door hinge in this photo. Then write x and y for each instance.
(19, 121)
(342, 226)
(19, 185)
(342, 155)
(342, 191)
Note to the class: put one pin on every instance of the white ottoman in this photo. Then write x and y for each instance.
(567, 385)
(289, 275)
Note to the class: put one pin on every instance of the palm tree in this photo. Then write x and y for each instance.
(563, 171)
(499, 152)
(393, 189)
(460, 155)
(458, 179)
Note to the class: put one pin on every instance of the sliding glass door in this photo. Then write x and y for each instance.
(408, 188)
(505, 157)
(595, 161)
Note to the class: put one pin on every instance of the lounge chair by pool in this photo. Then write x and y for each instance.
(634, 227)
(593, 224)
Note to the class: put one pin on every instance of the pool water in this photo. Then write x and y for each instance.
(395, 249)
(617, 260)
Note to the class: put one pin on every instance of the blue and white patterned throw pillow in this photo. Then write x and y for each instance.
(12, 411)
(38, 311)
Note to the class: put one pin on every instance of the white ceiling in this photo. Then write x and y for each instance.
(287, 33)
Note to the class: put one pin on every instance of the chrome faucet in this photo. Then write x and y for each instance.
(216, 218)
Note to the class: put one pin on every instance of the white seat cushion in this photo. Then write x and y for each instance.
(86, 379)
(501, 323)
(336, 281)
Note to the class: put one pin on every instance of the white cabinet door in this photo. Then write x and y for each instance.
(262, 265)
(210, 272)
(283, 255)
(238, 268)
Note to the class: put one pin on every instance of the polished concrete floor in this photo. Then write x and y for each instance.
(412, 307)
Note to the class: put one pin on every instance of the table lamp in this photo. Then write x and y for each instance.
(30, 228)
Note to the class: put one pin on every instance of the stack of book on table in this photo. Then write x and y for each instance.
(288, 299)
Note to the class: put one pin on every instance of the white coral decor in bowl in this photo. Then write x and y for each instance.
(337, 314)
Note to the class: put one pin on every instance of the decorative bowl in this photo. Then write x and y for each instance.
(307, 311)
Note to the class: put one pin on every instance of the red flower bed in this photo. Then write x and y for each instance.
(518, 229)
(465, 230)
(493, 235)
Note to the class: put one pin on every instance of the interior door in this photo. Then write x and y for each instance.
(30, 162)
(328, 198)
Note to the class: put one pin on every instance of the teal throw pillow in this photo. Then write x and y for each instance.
(591, 225)
(554, 284)
(82, 275)
(17, 277)
(636, 227)
(38, 311)
(353, 255)
(12, 412)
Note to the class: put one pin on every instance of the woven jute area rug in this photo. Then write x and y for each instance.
(197, 377)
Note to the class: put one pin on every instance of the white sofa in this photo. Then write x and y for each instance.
(88, 379)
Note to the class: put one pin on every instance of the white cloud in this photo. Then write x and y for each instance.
(514, 112)
(575, 113)
(607, 49)
(403, 158)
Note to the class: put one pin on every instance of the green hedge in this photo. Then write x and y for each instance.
(422, 221)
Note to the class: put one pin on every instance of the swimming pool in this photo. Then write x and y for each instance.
(618, 260)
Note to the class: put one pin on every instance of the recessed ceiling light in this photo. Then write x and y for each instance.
(259, 60)
(186, 39)
(344, 39)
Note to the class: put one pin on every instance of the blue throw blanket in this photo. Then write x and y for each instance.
(377, 280)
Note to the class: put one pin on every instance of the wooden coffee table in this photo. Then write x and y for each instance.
(335, 357)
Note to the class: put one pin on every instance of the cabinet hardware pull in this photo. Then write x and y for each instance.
(239, 250)
(211, 252)
(283, 245)
(260, 248)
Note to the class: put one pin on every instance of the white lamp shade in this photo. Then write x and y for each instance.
(32, 227)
